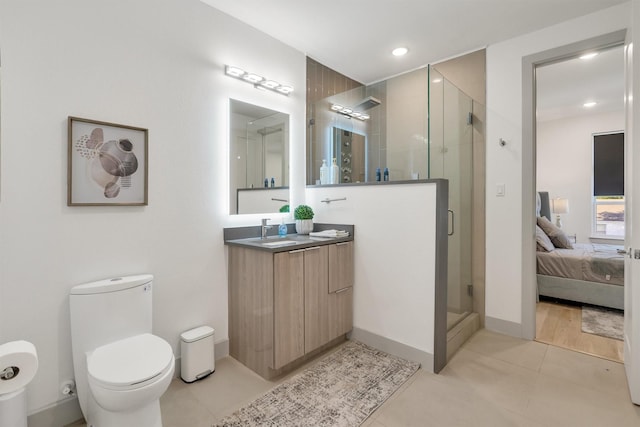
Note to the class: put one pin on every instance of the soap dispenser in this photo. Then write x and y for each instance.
(335, 172)
(324, 172)
(282, 229)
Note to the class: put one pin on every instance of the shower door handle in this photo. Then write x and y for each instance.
(453, 227)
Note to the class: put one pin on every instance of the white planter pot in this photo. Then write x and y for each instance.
(304, 226)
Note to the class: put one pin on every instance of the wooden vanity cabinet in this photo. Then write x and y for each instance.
(285, 305)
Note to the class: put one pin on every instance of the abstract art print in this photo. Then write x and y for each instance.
(107, 164)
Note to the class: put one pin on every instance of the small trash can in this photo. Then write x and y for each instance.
(196, 347)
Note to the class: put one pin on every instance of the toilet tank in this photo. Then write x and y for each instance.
(109, 310)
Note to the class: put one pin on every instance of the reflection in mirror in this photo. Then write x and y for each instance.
(394, 131)
(259, 159)
(350, 152)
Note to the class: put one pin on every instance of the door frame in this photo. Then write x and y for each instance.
(529, 64)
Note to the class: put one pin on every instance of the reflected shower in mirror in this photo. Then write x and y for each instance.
(349, 149)
(259, 159)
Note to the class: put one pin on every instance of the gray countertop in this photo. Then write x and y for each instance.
(291, 242)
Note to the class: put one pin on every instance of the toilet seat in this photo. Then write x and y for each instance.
(130, 363)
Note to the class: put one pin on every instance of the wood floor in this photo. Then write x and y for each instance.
(560, 325)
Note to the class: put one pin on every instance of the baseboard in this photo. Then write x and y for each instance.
(460, 333)
(59, 414)
(393, 347)
(68, 411)
(221, 349)
(505, 327)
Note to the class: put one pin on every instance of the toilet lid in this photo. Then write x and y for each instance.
(130, 361)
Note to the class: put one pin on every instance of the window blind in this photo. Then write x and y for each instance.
(608, 164)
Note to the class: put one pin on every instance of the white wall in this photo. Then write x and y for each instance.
(153, 64)
(394, 256)
(505, 164)
(564, 164)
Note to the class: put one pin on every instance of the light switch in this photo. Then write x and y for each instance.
(500, 190)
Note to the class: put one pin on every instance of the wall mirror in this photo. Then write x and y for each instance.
(259, 159)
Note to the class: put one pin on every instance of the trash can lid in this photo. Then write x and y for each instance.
(197, 333)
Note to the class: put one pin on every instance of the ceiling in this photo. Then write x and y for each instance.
(341, 33)
(563, 87)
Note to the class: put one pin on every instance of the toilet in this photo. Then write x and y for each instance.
(121, 369)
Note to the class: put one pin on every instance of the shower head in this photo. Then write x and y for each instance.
(366, 104)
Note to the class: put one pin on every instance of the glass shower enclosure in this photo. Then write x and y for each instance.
(451, 157)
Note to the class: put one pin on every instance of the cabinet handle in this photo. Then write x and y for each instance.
(339, 291)
(342, 243)
(296, 251)
(313, 248)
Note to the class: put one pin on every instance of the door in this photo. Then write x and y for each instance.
(316, 297)
(451, 157)
(632, 225)
(288, 307)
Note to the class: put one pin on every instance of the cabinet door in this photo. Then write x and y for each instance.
(288, 307)
(340, 266)
(316, 297)
(340, 312)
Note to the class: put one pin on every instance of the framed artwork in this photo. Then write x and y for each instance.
(108, 164)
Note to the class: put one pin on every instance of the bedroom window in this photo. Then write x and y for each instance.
(608, 185)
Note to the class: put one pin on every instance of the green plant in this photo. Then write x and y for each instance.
(303, 212)
(284, 208)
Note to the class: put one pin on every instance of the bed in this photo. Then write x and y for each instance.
(589, 273)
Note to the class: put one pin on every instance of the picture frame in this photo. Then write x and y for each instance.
(107, 164)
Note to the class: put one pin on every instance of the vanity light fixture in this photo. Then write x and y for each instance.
(257, 80)
(349, 112)
(589, 104)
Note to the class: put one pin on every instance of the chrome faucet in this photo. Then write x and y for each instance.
(264, 227)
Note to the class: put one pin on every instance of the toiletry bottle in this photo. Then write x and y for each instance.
(386, 174)
(324, 172)
(335, 172)
(273, 182)
(377, 174)
(282, 229)
(266, 183)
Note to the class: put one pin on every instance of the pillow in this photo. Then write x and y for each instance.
(543, 243)
(557, 236)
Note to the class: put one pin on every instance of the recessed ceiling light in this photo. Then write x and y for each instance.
(589, 104)
(436, 80)
(589, 55)
(399, 51)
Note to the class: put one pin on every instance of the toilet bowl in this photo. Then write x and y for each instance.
(121, 369)
(129, 373)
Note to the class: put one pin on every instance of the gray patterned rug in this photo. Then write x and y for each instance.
(603, 322)
(342, 389)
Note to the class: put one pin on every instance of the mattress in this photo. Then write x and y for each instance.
(590, 262)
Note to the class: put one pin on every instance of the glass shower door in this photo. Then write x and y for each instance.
(451, 157)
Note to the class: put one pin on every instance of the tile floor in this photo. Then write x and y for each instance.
(493, 380)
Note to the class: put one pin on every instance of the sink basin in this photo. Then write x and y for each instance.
(278, 243)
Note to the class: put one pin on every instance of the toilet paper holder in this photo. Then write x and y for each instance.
(9, 373)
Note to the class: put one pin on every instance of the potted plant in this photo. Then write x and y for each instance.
(303, 215)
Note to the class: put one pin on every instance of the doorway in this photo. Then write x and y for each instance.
(577, 97)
